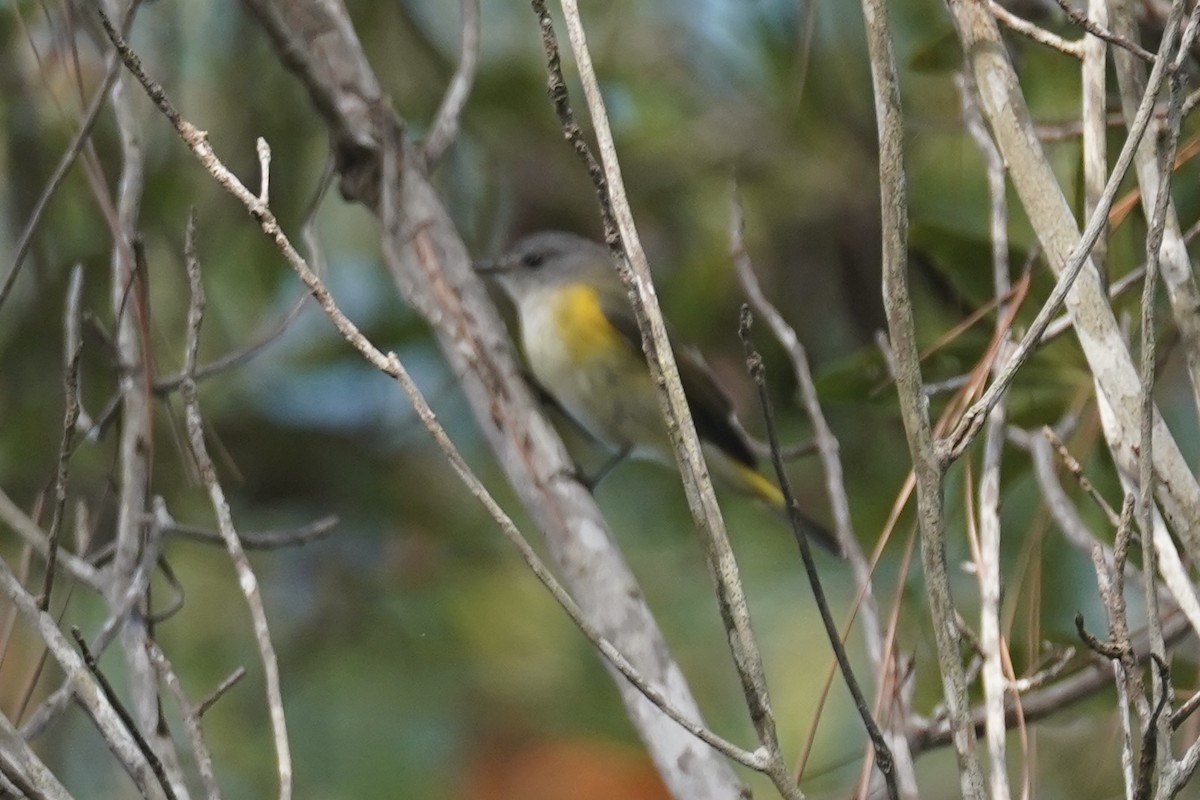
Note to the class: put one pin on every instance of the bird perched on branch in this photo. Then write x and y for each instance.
(582, 344)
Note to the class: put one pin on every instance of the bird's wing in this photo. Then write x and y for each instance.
(711, 408)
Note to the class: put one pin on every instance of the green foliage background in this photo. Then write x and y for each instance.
(415, 648)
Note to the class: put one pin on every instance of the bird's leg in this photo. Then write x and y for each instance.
(590, 482)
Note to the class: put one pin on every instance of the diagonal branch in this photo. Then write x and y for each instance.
(471, 335)
(1095, 326)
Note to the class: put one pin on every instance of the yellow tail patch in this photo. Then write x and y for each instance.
(761, 487)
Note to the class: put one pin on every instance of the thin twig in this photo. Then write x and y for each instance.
(883, 753)
(1107, 581)
(118, 613)
(83, 683)
(1159, 757)
(20, 523)
(129, 300)
(126, 718)
(237, 358)
(191, 720)
(557, 89)
(78, 141)
(1110, 650)
(245, 573)
(261, 540)
(70, 418)
(445, 122)
(1036, 32)
(1152, 752)
(1094, 677)
(1076, 469)
(1123, 284)
(316, 258)
(829, 449)
(991, 639)
(1081, 19)
(216, 694)
(1186, 710)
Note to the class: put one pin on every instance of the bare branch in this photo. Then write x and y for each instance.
(1094, 677)
(191, 720)
(445, 122)
(239, 357)
(216, 694)
(1153, 170)
(84, 685)
(1156, 754)
(65, 162)
(1096, 29)
(208, 476)
(118, 613)
(70, 418)
(390, 365)
(883, 754)
(991, 641)
(125, 717)
(927, 466)
(261, 540)
(1092, 114)
(829, 449)
(20, 523)
(19, 763)
(1037, 33)
(634, 271)
(1048, 211)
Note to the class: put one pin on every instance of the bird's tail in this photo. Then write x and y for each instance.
(747, 480)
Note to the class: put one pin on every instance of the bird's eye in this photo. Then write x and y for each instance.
(532, 260)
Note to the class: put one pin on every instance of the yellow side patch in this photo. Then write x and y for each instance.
(581, 323)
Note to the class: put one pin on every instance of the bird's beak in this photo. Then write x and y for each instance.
(490, 266)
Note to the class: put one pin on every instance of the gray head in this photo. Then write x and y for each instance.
(547, 259)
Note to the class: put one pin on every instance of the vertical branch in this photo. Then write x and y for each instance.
(72, 349)
(1160, 690)
(991, 640)
(208, 476)
(135, 447)
(1106, 579)
(927, 466)
(1093, 115)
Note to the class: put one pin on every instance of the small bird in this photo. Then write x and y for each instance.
(582, 344)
